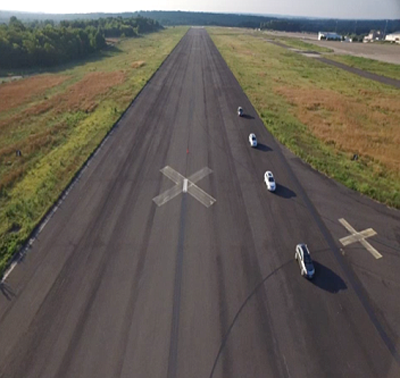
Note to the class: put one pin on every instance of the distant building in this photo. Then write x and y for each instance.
(394, 37)
(329, 36)
(374, 35)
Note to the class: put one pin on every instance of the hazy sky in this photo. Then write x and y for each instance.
(313, 8)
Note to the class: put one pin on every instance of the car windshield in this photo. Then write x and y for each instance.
(253, 137)
(271, 179)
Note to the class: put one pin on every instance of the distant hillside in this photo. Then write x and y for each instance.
(284, 23)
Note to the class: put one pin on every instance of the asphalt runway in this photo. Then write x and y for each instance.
(117, 286)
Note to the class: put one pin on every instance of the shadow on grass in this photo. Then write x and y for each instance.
(327, 279)
(95, 57)
(284, 192)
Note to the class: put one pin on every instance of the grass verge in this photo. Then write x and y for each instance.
(321, 113)
(57, 119)
(370, 65)
(297, 43)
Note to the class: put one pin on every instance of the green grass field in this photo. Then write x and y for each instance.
(321, 113)
(57, 119)
(298, 44)
(370, 65)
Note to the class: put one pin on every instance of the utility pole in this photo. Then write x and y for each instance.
(384, 33)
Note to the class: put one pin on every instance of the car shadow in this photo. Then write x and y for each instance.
(263, 147)
(327, 279)
(284, 192)
(247, 116)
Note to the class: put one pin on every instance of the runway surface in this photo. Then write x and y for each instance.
(117, 286)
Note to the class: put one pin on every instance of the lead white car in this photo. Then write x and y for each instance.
(302, 256)
(270, 181)
(253, 140)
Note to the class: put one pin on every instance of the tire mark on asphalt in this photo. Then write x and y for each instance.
(162, 151)
(67, 275)
(251, 266)
(176, 307)
(353, 280)
(173, 346)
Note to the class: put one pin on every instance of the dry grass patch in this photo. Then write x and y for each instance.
(16, 93)
(368, 127)
(81, 95)
(78, 97)
(138, 64)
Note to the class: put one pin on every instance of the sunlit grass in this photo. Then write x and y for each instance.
(370, 65)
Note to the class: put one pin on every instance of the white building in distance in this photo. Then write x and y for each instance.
(374, 35)
(329, 36)
(394, 37)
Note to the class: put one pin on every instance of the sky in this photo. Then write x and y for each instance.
(359, 9)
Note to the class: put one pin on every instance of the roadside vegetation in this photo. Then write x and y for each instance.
(298, 44)
(57, 119)
(323, 114)
(374, 66)
(370, 65)
(44, 44)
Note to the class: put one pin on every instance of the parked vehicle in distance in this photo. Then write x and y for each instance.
(240, 111)
(303, 258)
(269, 181)
(253, 140)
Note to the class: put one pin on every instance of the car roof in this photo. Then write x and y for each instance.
(304, 248)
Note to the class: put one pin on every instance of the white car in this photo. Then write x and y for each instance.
(270, 181)
(240, 111)
(253, 140)
(303, 258)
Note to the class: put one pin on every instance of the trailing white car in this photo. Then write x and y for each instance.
(253, 140)
(270, 181)
(303, 258)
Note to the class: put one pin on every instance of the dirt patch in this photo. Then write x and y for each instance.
(16, 93)
(138, 64)
(366, 125)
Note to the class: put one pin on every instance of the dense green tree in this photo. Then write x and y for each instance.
(47, 44)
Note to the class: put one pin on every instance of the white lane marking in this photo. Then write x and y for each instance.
(167, 195)
(185, 185)
(173, 175)
(359, 237)
(201, 195)
(196, 177)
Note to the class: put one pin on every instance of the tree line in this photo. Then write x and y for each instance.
(343, 27)
(46, 43)
(288, 24)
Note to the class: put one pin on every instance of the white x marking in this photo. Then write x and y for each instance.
(185, 185)
(359, 237)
